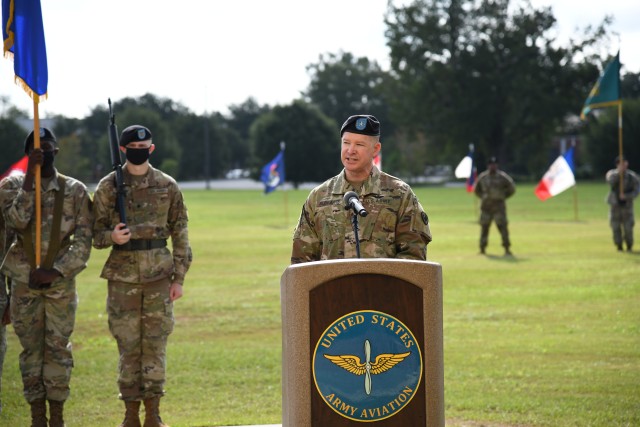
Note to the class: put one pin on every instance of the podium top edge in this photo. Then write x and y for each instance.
(364, 261)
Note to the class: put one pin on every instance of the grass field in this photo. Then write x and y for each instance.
(549, 337)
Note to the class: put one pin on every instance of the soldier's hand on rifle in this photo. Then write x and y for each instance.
(121, 234)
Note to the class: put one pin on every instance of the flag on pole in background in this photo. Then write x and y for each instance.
(273, 173)
(558, 178)
(23, 37)
(377, 161)
(19, 167)
(466, 169)
(606, 92)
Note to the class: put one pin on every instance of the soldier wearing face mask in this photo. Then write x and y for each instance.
(43, 297)
(144, 276)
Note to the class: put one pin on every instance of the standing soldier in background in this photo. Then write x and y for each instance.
(396, 226)
(144, 277)
(43, 298)
(494, 187)
(621, 216)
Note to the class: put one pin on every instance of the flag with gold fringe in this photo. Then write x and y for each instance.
(23, 37)
(606, 91)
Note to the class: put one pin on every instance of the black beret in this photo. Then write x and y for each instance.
(45, 135)
(493, 159)
(134, 133)
(617, 160)
(362, 124)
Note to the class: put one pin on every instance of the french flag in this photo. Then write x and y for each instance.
(466, 169)
(558, 178)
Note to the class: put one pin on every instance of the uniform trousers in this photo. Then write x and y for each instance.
(621, 220)
(43, 320)
(141, 320)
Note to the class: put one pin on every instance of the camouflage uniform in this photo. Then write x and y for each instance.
(396, 225)
(5, 240)
(493, 189)
(44, 319)
(621, 217)
(139, 308)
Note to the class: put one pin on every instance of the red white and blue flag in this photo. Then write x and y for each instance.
(466, 169)
(18, 168)
(558, 178)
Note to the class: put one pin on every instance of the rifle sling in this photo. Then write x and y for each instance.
(54, 238)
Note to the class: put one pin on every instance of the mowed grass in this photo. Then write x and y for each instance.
(549, 337)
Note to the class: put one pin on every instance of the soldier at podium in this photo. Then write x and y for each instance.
(394, 226)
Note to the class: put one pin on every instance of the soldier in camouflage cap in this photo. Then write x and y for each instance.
(396, 226)
(43, 297)
(621, 217)
(494, 187)
(144, 277)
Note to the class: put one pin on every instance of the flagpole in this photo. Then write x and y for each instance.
(620, 146)
(36, 145)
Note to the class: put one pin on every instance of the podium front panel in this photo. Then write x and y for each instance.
(384, 294)
(321, 300)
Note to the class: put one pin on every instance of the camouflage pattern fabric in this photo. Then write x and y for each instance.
(621, 216)
(155, 210)
(493, 189)
(75, 229)
(396, 225)
(140, 313)
(140, 319)
(43, 320)
(3, 293)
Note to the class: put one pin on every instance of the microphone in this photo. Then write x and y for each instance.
(351, 201)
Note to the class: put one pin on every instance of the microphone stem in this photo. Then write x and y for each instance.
(354, 222)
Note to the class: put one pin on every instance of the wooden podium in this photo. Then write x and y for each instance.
(362, 343)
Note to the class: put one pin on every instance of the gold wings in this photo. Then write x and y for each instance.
(383, 362)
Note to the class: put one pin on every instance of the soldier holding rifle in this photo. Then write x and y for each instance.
(144, 277)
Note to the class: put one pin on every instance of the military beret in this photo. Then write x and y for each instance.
(617, 160)
(362, 124)
(134, 133)
(45, 135)
(493, 159)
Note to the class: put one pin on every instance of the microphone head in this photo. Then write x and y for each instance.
(349, 195)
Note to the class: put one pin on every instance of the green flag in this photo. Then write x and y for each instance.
(606, 91)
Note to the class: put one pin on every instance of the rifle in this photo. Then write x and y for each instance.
(116, 161)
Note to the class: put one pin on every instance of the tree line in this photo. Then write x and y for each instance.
(486, 72)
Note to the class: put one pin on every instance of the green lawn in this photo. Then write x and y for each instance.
(549, 337)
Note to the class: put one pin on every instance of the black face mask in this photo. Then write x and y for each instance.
(47, 161)
(137, 156)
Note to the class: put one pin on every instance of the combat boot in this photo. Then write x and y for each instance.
(131, 414)
(152, 413)
(38, 413)
(55, 413)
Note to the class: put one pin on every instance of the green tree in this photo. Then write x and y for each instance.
(312, 142)
(12, 142)
(600, 136)
(240, 121)
(487, 72)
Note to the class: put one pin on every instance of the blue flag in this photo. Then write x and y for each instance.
(23, 37)
(273, 173)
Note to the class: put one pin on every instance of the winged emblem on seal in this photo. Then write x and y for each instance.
(354, 365)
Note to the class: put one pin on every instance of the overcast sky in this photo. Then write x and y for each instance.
(209, 54)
